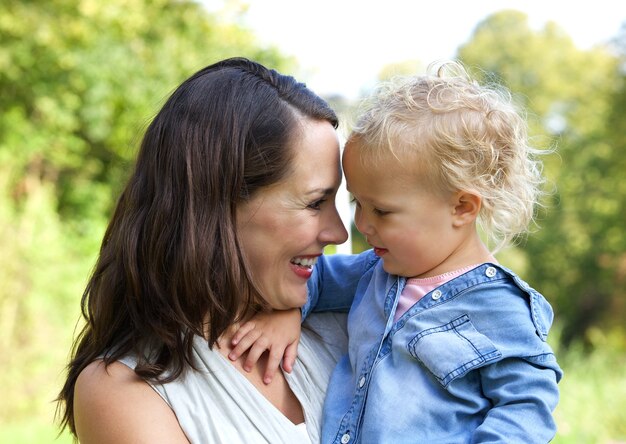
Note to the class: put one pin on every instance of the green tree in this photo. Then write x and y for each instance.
(78, 88)
(575, 257)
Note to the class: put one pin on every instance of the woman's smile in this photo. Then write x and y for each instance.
(303, 265)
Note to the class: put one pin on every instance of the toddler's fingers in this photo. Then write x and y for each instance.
(273, 363)
(255, 353)
(291, 352)
(242, 331)
(244, 344)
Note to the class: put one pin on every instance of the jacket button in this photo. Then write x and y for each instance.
(436, 294)
(345, 439)
(490, 272)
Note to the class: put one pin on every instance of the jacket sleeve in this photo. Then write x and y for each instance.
(334, 281)
(524, 395)
(523, 386)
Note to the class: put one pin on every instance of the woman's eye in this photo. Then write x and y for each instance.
(317, 204)
(356, 202)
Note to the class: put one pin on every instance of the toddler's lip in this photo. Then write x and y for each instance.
(380, 251)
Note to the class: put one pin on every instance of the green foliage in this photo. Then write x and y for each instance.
(79, 87)
(42, 278)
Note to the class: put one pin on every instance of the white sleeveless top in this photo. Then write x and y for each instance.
(217, 404)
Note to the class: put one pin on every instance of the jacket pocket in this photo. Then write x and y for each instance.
(452, 350)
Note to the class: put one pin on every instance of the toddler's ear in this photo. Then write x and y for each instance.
(466, 208)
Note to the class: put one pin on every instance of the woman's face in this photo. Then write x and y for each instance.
(284, 228)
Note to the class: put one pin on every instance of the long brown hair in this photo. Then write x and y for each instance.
(170, 259)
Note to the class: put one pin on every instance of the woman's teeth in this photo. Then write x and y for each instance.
(304, 262)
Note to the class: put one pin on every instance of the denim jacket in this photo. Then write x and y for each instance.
(468, 363)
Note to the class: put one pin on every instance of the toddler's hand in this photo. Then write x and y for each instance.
(278, 332)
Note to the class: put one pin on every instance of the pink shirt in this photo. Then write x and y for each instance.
(416, 288)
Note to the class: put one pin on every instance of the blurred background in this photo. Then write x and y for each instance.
(80, 80)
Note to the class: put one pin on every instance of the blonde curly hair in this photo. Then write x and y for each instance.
(460, 135)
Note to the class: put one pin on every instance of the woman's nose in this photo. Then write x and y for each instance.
(334, 231)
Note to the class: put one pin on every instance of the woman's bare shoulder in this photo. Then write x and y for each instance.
(113, 404)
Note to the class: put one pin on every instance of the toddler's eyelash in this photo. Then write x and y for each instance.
(375, 210)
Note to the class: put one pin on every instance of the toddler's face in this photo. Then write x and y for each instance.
(409, 227)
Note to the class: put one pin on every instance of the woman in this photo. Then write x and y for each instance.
(230, 203)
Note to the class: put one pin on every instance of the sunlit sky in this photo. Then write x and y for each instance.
(341, 45)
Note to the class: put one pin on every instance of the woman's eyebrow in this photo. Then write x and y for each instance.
(324, 191)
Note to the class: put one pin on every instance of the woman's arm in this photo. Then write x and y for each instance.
(112, 404)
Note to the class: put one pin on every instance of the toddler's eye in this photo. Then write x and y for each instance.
(380, 212)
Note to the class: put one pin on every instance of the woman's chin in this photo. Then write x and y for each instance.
(297, 299)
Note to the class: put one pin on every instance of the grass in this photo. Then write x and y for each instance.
(29, 432)
(593, 392)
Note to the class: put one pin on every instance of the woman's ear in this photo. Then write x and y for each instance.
(466, 208)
